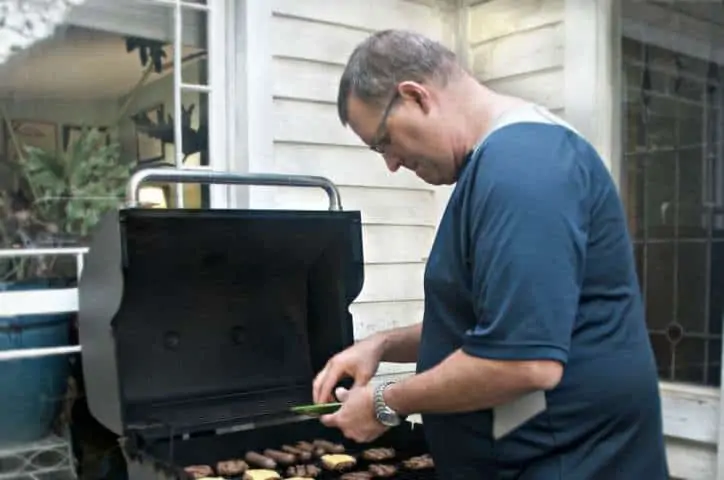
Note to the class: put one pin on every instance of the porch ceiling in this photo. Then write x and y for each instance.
(76, 63)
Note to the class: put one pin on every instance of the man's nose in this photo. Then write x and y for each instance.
(393, 162)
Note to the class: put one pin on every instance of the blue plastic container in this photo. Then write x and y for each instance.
(31, 390)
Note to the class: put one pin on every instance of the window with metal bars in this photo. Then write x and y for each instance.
(673, 189)
(112, 89)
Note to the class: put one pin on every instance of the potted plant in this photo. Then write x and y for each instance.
(55, 200)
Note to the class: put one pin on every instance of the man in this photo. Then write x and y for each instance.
(533, 360)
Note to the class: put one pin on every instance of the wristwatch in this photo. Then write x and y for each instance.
(385, 415)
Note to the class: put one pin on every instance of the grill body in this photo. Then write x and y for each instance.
(197, 322)
(193, 320)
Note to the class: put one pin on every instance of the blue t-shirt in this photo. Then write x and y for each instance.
(532, 260)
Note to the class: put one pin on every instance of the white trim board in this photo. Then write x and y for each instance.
(690, 412)
(220, 45)
(38, 302)
(251, 135)
(690, 461)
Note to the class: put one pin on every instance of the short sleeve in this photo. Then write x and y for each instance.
(527, 242)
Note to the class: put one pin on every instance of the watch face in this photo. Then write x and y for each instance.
(389, 419)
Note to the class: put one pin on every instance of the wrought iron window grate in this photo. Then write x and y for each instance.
(674, 194)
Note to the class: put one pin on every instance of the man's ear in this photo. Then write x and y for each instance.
(417, 93)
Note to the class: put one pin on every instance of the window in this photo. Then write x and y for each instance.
(116, 88)
(673, 179)
(119, 86)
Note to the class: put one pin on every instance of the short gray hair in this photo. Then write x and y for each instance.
(385, 59)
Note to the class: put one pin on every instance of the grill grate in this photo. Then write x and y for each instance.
(208, 450)
(176, 472)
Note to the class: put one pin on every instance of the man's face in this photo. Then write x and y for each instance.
(407, 131)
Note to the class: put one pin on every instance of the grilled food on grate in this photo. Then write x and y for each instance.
(307, 471)
(383, 471)
(421, 462)
(311, 449)
(282, 458)
(378, 454)
(300, 454)
(338, 462)
(262, 474)
(231, 468)
(306, 446)
(356, 476)
(199, 471)
(259, 460)
(342, 464)
(328, 446)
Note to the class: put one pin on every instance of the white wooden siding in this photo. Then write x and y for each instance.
(691, 426)
(311, 41)
(517, 48)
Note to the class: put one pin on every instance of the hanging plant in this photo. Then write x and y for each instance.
(58, 197)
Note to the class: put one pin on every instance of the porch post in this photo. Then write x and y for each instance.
(592, 82)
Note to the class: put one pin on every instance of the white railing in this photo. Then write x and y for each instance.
(40, 302)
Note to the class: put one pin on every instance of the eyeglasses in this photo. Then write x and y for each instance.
(382, 138)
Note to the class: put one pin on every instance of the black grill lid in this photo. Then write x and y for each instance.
(198, 319)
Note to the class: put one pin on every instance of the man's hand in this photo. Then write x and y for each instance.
(356, 418)
(360, 361)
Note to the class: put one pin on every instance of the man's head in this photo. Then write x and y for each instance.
(394, 93)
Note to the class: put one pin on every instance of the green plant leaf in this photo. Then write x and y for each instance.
(68, 191)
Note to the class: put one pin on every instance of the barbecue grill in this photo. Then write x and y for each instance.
(201, 328)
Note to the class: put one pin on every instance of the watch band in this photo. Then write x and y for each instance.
(383, 412)
(380, 395)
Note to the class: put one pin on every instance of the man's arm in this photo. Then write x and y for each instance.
(526, 232)
(399, 345)
(463, 383)
(362, 360)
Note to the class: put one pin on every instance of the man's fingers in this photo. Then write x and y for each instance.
(329, 420)
(327, 385)
(325, 382)
(329, 377)
(361, 380)
(341, 393)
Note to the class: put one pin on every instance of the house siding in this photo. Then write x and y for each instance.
(311, 42)
(516, 47)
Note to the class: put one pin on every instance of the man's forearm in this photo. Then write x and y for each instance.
(400, 345)
(462, 383)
